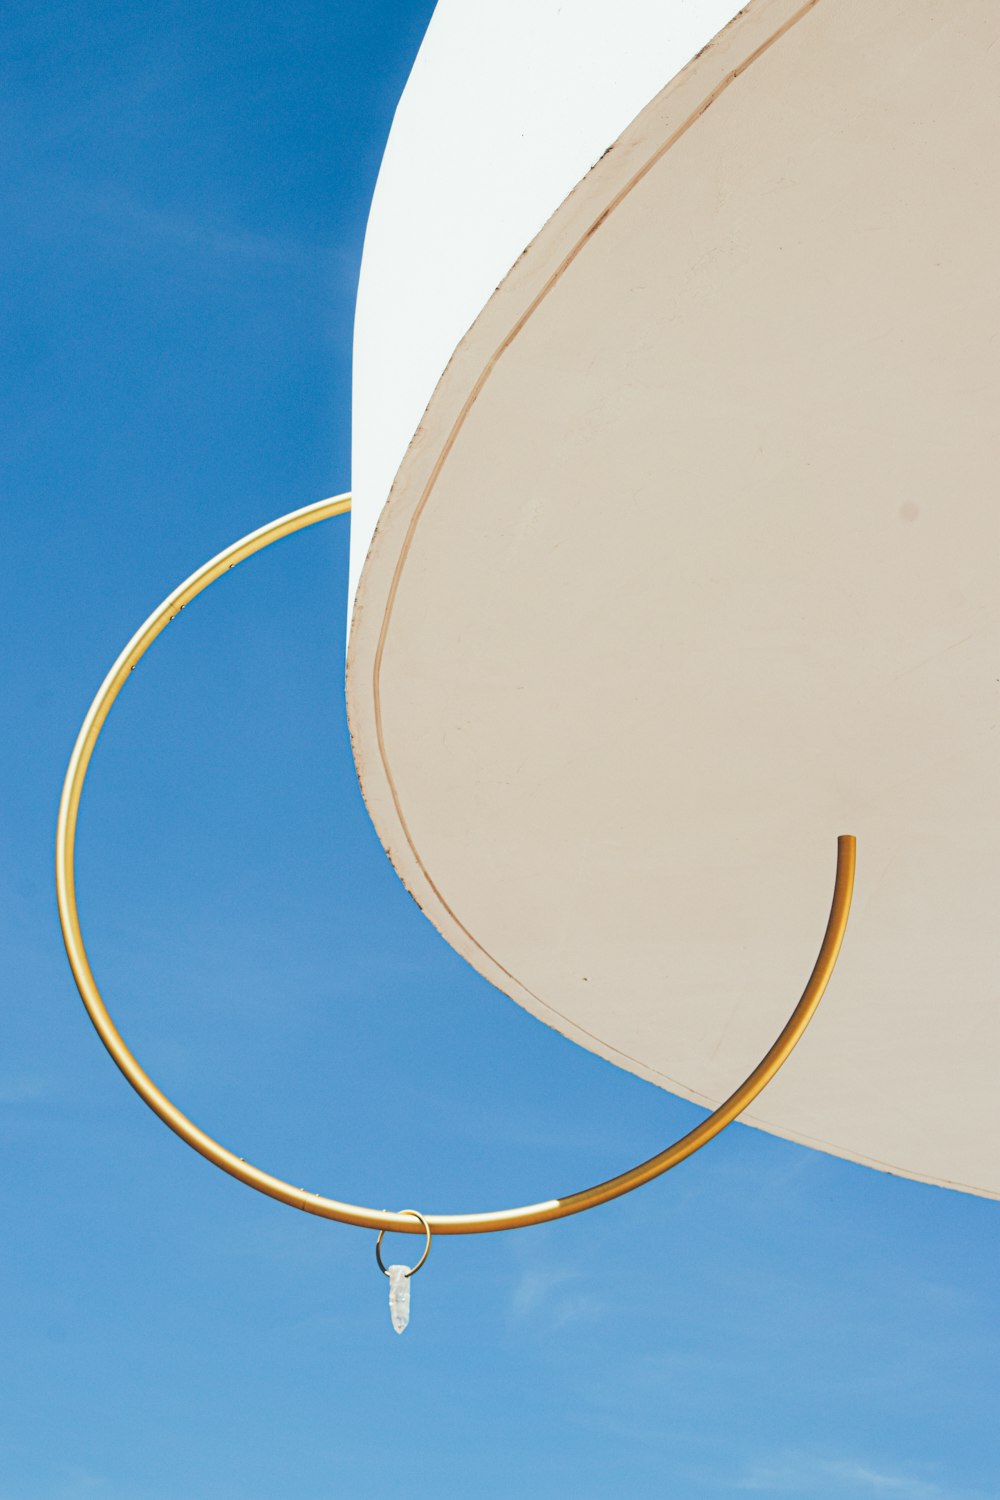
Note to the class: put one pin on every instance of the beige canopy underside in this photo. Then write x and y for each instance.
(694, 564)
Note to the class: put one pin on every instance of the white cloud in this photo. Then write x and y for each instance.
(553, 1297)
(842, 1479)
(25, 1088)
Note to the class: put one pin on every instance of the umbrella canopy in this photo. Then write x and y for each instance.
(691, 562)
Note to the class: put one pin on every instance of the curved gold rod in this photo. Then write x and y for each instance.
(274, 1187)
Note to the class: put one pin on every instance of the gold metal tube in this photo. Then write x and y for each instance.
(275, 1187)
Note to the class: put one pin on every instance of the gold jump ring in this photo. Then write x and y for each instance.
(427, 1247)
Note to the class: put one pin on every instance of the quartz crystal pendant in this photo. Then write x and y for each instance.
(399, 1296)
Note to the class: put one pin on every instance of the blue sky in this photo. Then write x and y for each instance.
(184, 190)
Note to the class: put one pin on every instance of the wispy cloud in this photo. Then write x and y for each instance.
(879, 1482)
(843, 1479)
(186, 232)
(553, 1297)
(81, 1484)
(126, 223)
(25, 1088)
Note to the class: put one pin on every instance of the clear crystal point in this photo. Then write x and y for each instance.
(399, 1296)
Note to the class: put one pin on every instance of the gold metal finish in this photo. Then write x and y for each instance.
(314, 1203)
(427, 1248)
